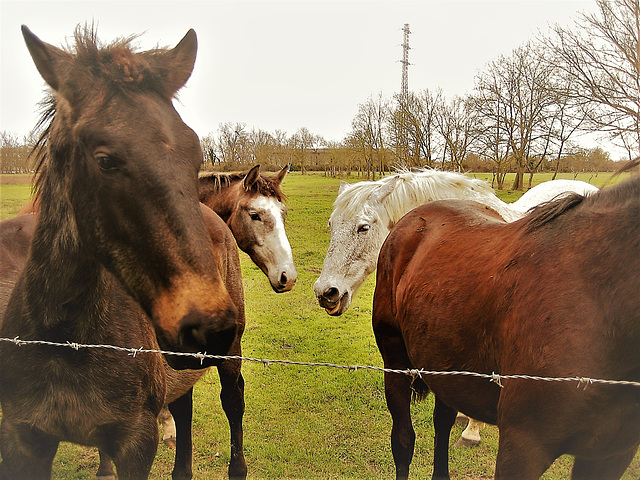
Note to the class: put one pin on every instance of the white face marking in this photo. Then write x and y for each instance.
(273, 251)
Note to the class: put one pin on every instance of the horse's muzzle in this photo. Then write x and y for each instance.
(334, 303)
(200, 333)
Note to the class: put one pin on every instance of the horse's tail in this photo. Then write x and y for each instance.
(419, 390)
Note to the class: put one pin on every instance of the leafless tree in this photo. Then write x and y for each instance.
(518, 87)
(601, 56)
(301, 142)
(412, 128)
(232, 139)
(458, 124)
(14, 152)
(368, 134)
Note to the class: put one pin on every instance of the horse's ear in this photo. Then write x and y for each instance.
(49, 60)
(251, 178)
(383, 191)
(282, 173)
(181, 60)
(343, 186)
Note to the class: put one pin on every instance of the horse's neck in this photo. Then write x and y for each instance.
(63, 285)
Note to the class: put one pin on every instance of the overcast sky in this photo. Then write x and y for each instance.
(284, 65)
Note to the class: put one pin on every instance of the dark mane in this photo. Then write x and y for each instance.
(626, 191)
(265, 185)
(548, 211)
(39, 152)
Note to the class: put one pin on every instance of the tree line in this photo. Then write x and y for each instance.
(528, 112)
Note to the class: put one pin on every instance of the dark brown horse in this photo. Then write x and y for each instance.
(120, 255)
(554, 295)
(253, 207)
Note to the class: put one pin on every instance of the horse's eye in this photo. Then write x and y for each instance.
(254, 216)
(106, 163)
(363, 228)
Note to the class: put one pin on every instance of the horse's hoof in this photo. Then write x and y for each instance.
(170, 442)
(466, 443)
(105, 477)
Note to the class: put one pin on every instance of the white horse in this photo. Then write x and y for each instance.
(365, 212)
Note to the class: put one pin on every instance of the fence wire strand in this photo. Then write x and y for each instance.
(582, 382)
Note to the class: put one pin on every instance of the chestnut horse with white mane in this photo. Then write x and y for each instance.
(554, 294)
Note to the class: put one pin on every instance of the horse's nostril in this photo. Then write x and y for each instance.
(331, 294)
(283, 279)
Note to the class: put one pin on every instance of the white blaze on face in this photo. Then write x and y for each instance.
(273, 246)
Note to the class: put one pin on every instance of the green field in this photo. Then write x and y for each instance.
(305, 422)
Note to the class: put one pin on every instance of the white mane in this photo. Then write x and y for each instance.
(415, 188)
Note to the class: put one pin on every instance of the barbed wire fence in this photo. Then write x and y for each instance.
(494, 377)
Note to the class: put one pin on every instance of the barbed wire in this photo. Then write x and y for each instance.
(496, 378)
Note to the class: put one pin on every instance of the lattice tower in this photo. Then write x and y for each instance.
(404, 87)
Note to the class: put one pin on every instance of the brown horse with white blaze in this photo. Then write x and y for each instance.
(554, 294)
(253, 206)
(120, 254)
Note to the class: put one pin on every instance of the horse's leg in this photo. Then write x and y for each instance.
(168, 428)
(397, 390)
(232, 397)
(520, 454)
(182, 411)
(105, 469)
(443, 419)
(26, 454)
(133, 454)
(471, 435)
(612, 468)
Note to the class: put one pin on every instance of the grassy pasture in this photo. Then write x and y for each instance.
(304, 422)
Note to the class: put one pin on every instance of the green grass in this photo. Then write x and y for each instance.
(305, 422)
(14, 192)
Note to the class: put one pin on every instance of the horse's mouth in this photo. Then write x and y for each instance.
(337, 308)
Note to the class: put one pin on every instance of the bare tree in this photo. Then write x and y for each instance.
(300, 142)
(601, 56)
(518, 85)
(232, 139)
(14, 153)
(209, 152)
(412, 128)
(368, 134)
(262, 146)
(457, 123)
(494, 141)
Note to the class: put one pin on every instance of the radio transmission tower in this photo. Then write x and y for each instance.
(404, 87)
